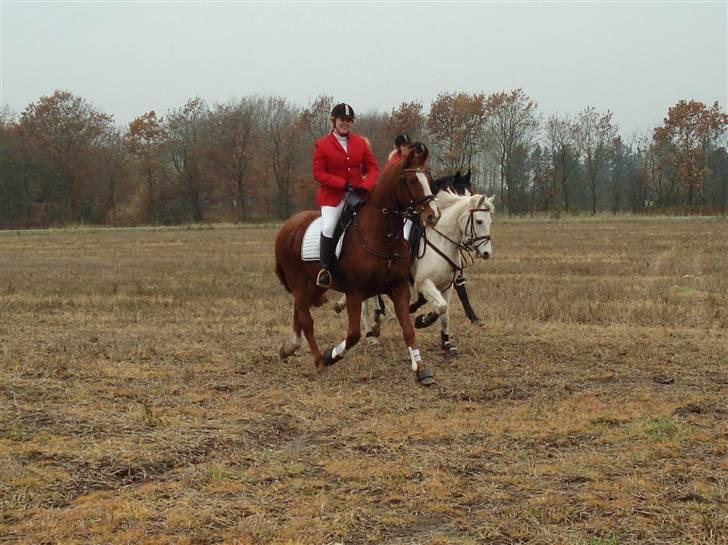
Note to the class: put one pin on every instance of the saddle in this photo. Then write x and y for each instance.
(416, 233)
(352, 203)
(312, 238)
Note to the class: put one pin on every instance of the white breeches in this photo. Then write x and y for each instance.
(329, 216)
(407, 228)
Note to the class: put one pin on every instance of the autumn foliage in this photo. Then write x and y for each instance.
(62, 161)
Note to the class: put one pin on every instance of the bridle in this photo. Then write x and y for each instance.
(411, 211)
(474, 241)
(415, 206)
(467, 248)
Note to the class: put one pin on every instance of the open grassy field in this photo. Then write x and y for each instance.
(142, 400)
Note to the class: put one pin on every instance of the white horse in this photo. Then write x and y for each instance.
(462, 232)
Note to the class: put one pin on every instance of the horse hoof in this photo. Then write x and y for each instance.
(451, 351)
(328, 357)
(425, 376)
(284, 352)
(320, 365)
(373, 341)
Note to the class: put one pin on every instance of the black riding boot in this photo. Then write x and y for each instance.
(323, 280)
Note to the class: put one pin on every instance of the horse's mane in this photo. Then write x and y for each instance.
(445, 199)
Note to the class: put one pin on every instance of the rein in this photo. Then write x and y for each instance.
(411, 211)
(466, 248)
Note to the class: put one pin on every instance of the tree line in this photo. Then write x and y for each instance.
(62, 161)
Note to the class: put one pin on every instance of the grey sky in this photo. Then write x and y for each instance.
(126, 58)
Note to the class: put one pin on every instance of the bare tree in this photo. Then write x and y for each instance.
(185, 137)
(560, 134)
(511, 126)
(282, 132)
(235, 127)
(143, 141)
(595, 134)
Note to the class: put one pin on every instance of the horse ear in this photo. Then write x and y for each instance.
(408, 160)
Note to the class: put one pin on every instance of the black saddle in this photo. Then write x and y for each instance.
(353, 201)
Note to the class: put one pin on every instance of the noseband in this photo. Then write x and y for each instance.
(472, 243)
(415, 206)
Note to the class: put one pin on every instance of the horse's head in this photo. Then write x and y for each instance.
(413, 189)
(461, 183)
(457, 184)
(475, 225)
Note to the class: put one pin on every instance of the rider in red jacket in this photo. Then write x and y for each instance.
(402, 145)
(342, 161)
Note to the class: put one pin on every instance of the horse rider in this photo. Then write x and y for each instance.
(342, 161)
(402, 145)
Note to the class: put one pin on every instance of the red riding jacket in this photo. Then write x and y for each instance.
(394, 156)
(333, 167)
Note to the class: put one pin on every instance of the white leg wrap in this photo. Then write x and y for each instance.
(339, 349)
(414, 357)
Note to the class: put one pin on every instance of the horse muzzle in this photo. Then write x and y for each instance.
(430, 215)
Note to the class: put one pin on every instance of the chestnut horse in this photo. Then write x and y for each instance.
(374, 260)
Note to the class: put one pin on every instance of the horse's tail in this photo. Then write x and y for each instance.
(282, 277)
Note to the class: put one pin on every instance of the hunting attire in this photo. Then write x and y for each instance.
(340, 163)
(396, 154)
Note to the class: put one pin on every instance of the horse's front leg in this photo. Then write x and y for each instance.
(400, 298)
(432, 294)
(353, 311)
(445, 343)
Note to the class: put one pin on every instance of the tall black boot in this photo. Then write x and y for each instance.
(323, 280)
(459, 284)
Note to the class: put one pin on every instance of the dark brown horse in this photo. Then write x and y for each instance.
(374, 260)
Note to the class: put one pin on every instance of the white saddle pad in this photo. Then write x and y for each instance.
(311, 247)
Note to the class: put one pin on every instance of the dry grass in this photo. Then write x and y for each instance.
(141, 399)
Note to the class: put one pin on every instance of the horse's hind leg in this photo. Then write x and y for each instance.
(372, 308)
(340, 304)
(353, 311)
(288, 348)
(304, 318)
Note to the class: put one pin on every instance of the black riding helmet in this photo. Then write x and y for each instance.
(342, 110)
(402, 139)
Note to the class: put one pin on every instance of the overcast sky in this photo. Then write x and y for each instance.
(126, 58)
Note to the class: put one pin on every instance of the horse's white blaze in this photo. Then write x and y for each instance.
(426, 188)
(339, 349)
(415, 357)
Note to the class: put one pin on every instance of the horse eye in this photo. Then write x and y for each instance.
(479, 222)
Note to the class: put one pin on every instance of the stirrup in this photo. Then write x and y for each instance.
(323, 280)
